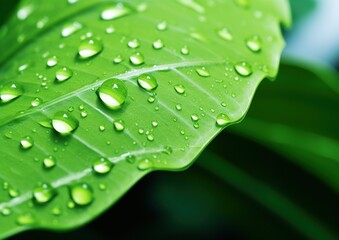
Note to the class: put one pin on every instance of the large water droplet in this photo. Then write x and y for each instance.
(119, 125)
(81, 194)
(202, 71)
(90, 47)
(243, 68)
(222, 120)
(44, 193)
(147, 82)
(225, 34)
(145, 164)
(26, 143)
(179, 88)
(25, 219)
(102, 166)
(10, 91)
(70, 28)
(52, 61)
(116, 11)
(137, 59)
(158, 44)
(64, 123)
(49, 162)
(63, 74)
(113, 93)
(254, 43)
(133, 43)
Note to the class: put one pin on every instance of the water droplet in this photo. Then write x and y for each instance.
(13, 193)
(113, 93)
(119, 125)
(102, 186)
(196, 125)
(10, 91)
(155, 123)
(137, 59)
(52, 61)
(90, 47)
(25, 219)
(168, 150)
(222, 120)
(110, 30)
(243, 68)
(101, 128)
(70, 28)
(42, 22)
(24, 12)
(145, 164)
(202, 71)
(56, 211)
(36, 102)
(151, 99)
(83, 114)
(225, 34)
(49, 162)
(70, 204)
(162, 26)
(147, 82)
(81, 194)
(254, 43)
(184, 50)
(194, 117)
(118, 59)
(43, 193)
(102, 166)
(150, 137)
(26, 143)
(23, 67)
(179, 88)
(158, 44)
(5, 211)
(64, 123)
(72, 1)
(133, 43)
(178, 107)
(63, 74)
(115, 11)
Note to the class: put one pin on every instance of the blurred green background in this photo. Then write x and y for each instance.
(248, 185)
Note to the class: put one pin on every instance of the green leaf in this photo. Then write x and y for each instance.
(97, 94)
(297, 117)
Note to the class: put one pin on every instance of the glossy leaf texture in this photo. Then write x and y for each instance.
(298, 118)
(96, 94)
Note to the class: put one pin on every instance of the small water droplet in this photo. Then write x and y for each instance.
(43, 193)
(81, 194)
(168, 150)
(13, 193)
(119, 125)
(133, 43)
(147, 82)
(115, 11)
(179, 88)
(63, 74)
(196, 125)
(70, 28)
(49, 162)
(5, 211)
(162, 26)
(110, 30)
(158, 44)
(24, 12)
(25, 219)
(52, 61)
(254, 43)
(102, 186)
(194, 117)
(5, 185)
(90, 47)
(64, 123)
(225, 34)
(222, 120)
(83, 114)
(101, 128)
(137, 59)
(70, 204)
(113, 93)
(243, 3)
(243, 68)
(9, 92)
(26, 143)
(151, 99)
(42, 22)
(202, 71)
(118, 59)
(150, 137)
(178, 107)
(155, 123)
(184, 50)
(102, 166)
(145, 164)
(56, 211)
